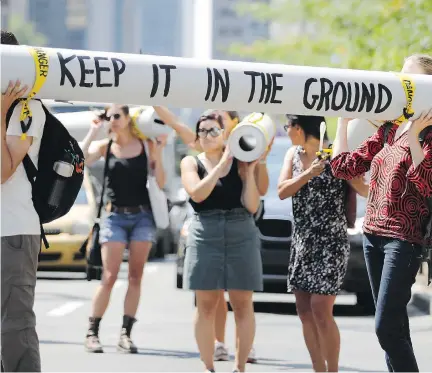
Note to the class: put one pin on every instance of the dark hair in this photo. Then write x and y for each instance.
(310, 124)
(8, 38)
(234, 115)
(208, 115)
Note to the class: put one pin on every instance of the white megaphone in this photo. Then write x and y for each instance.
(251, 137)
(148, 122)
(359, 130)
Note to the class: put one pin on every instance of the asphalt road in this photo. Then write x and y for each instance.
(164, 331)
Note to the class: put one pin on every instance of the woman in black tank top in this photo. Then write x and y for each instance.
(128, 220)
(222, 248)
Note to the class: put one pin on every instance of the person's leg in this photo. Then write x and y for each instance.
(242, 304)
(328, 331)
(138, 255)
(112, 257)
(310, 330)
(401, 264)
(374, 259)
(205, 324)
(221, 352)
(19, 339)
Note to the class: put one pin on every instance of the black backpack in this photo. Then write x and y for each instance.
(60, 171)
(426, 255)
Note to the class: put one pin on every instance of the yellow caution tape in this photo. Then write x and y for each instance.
(409, 90)
(41, 61)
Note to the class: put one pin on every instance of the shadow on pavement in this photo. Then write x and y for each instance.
(195, 355)
(285, 308)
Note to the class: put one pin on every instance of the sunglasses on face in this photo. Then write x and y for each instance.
(115, 116)
(103, 116)
(213, 132)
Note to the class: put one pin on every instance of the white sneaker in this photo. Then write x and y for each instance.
(221, 352)
(252, 357)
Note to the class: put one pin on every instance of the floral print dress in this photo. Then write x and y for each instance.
(320, 247)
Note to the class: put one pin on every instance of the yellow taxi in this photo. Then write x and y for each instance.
(67, 234)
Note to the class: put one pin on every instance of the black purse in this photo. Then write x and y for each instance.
(91, 247)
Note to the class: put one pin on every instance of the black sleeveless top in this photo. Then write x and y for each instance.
(126, 182)
(226, 195)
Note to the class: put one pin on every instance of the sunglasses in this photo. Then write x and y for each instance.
(115, 116)
(213, 132)
(103, 116)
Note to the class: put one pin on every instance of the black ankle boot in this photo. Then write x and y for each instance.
(92, 343)
(125, 343)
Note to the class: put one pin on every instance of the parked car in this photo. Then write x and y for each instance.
(275, 224)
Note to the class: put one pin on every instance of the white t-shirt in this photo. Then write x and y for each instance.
(18, 215)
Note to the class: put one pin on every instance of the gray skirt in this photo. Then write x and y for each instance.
(223, 252)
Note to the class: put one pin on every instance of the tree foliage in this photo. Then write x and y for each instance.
(357, 34)
(25, 32)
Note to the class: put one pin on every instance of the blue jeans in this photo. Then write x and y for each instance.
(392, 267)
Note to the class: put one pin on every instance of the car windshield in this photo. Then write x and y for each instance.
(72, 108)
(275, 161)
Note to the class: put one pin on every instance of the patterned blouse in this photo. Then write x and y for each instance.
(397, 205)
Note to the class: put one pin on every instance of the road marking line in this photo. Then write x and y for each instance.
(65, 309)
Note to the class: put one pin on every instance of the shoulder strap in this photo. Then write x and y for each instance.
(105, 173)
(31, 172)
(201, 168)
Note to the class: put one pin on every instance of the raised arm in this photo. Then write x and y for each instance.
(420, 171)
(289, 185)
(261, 173)
(13, 148)
(250, 192)
(187, 135)
(199, 189)
(156, 159)
(94, 153)
(348, 165)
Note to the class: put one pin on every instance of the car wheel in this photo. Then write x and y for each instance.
(366, 302)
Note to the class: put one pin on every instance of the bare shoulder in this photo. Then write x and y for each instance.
(290, 154)
(188, 163)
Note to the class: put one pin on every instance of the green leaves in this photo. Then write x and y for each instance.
(357, 34)
(25, 32)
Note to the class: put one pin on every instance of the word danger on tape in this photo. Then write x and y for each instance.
(135, 79)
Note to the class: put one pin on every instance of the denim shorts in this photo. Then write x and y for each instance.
(126, 227)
